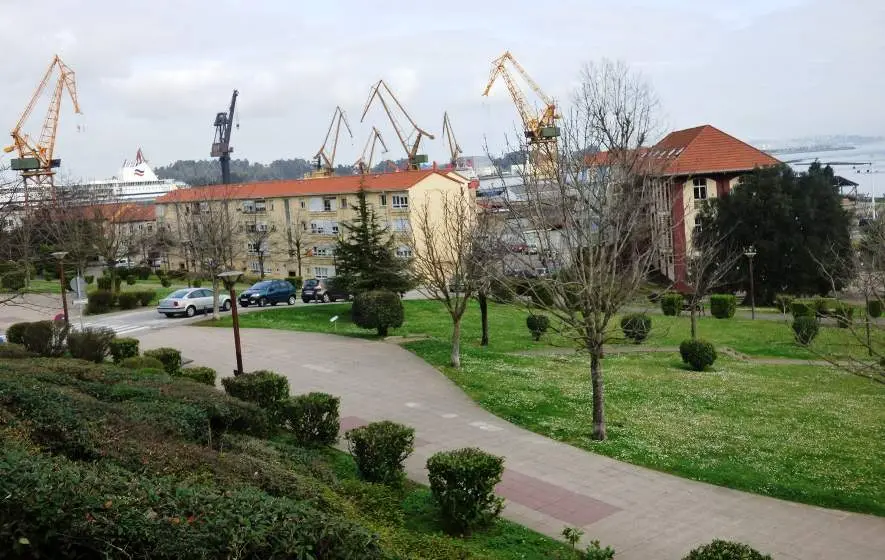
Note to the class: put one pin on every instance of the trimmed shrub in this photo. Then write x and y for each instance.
(312, 418)
(197, 283)
(91, 344)
(122, 348)
(169, 357)
(104, 283)
(296, 280)
(697, 353)
(783, 302)
(379, 309)
(805, 328)
(725, 550)
(874, 308)
(130, 280)
(671, 304)
(380, 449)
(142, 362)
(264, 388)
(16, 333)
(200, 374)
(537, 325)
(636, 326)
(844, 315)
(127, 300)
(13, 351)
(100, 301)
(13, 280)
(802, 309)
(89, 278)
(723, 306)
(145, 297)
(165, 282)
(143, 272)
(46, 338)
(117, 281)
(823, 306)
(463, 484)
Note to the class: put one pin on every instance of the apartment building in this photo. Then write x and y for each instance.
(293, 225)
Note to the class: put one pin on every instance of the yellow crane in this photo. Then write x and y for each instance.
(449, 135)
(35, 159)
(325, 161)
(385, 96)
(364, 165)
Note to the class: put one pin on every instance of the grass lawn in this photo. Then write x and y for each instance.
(804, 433)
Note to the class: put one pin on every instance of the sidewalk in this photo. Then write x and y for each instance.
(643, 514)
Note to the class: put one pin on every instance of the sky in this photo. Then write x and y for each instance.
(153, 74)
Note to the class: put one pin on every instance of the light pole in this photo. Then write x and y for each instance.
(750, 252)
(230, 278)
(60, 257)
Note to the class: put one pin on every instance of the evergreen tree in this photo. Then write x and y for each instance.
(365, 257)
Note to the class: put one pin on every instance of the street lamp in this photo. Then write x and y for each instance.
(230, 278)
(60, 256)
(750, 252)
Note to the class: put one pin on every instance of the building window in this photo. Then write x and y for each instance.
(400, 201)
(700, 188)
(302, 204)
(344, 202)
(403, 252)
(698, 225)
(325, 251)
(323, 227)
(321, 272)
(401, 224)
(383, 200)
(328, 204)
(248, 206)
(260, 206)
(255, 266)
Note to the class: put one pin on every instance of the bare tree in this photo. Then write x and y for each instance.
(262, 240)
(590, 217)
(711, 258)
(441, 240)
(295, 239)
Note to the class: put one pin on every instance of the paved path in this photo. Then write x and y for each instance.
(642, 513)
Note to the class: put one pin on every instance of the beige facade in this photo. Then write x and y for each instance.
(696, 191)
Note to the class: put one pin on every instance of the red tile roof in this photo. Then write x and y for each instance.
(401, 180)
(120, 212)
(702, 149)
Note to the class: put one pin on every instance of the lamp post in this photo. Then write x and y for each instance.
(230, 278)
(750, 252)
(60, 257)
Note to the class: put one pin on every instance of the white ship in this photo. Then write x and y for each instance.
(137, 182)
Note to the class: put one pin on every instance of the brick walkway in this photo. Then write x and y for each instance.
(642, 513)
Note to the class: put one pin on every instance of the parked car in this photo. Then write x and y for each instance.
(322, 290)
(190, 301)
(125, 262)
(268, 292)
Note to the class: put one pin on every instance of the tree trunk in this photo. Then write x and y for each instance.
(694, 323)
(261, 265)
(484, 314)
(456, 343)
(215, 315)
(382, 331)
(598, 395)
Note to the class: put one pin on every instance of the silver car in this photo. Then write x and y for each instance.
(190, 301)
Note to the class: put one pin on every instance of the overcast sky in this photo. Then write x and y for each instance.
(153, 74)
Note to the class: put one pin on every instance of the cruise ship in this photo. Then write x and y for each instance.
(136, 182)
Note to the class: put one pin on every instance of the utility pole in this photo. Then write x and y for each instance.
(221, 147)
(750, 253)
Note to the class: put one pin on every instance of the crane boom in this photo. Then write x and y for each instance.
(414, 158)
(364, 165)
(539, 127)
(326, 162)
(449, 134)
(221, 147)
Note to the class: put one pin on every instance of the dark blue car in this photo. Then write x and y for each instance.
(268, 292)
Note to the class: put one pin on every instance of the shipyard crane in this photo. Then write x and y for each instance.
(387, 99)
(449, 135)
(364, 165)
(35, 159)
(221, 147)
(325, 166)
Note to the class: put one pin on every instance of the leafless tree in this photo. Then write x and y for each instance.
(711, 258)
(262, 240)
(441, 240)
(589, 216)
(295, 239)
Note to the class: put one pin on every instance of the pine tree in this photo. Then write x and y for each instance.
(365, 257)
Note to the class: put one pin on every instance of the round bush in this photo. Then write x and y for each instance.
(783, 302)
(122, 348)
(379, 309)
(142, 362)
(197, 283)
(16, 333)
(169, 357)
(13, 280)
(463, 485)
(312, 418)
(45, 338)
(636, 326)
(130, 280)
(89, 278)
(802, 309)
(264, 388)
(104, 283)
(91, 344)
(805, 329)
(13, 351)
(165, 282)
(723, 306)
(671, 304)
(844, 315)
(380, 449)
(100, 301)
(127, 300)
(205, 375)
(699, 354)
(725, 550)
(537, 325)
(874, 308)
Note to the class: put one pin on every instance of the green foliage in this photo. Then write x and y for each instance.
(142, 362)
(784, 302)
(127, 300)
(100, 301)
(537, 325)
(13, 351)
(197, 283)
(874, 308)
(295, 279)
(723, 306)
(823, 306)
(636, 326)
(13, 281)
(264, 388)
(89, 278)
(844, 314)
(169, 357)
(45, 338)
(699, 354)
(104, 283)
(91, 344)
(200, 374)
(142, 272)
(312, 418)
(145, 297)
(463, 485)
(802, 309)
(365, 255)
(131, 280)
(377, 309)
(16, 333)
(122, 348)
(165, 282)
(596, 552)
(380, 449)
(805, 328)
(671, 304)
(725, 550)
